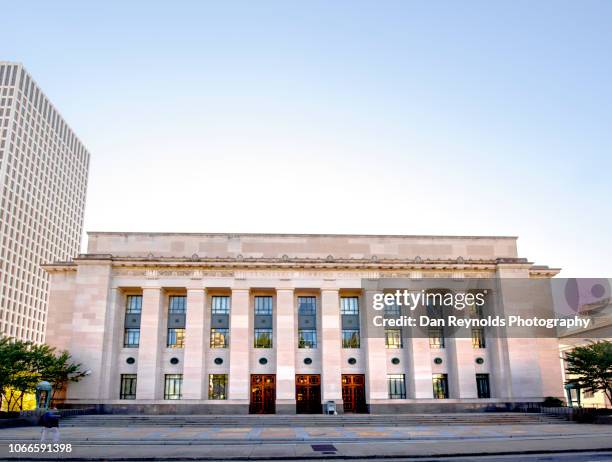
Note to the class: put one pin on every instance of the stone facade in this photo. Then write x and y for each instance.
(89, 296)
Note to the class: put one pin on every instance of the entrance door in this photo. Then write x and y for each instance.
(263, 394)
(353, 393)
(308, 394)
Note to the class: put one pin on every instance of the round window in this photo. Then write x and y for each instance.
(479, 361)
(395, 360)
(352, 361)
(438, 360)
(218, 361)
(130, 360)
(263, 361)
(307, 361)
(174, 361)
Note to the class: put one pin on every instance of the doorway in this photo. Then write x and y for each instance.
(263, 394)
(308, 394)
(353, 393)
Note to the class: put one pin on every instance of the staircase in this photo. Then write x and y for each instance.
(398, 420)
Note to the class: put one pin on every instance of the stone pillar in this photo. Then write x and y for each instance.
(331, 357)
(194, 379)
(421, 375)
(462, 380)
(376, 360)
(113, 339)
(285, 351)
(239, 383)
(149, 384)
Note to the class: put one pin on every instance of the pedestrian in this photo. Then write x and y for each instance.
(50, 423)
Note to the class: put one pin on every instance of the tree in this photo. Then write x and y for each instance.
(591, 367)
(24, 364)
(61, 371)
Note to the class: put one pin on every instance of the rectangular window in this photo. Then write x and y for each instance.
(307, 338)
(436, 337)
(393, 338)
(220, 305)
(440, 386)
(173, 385)
(263, 338)
(133, 304)
(176, 337)
(131, 338)
(307, 306)
(219, 338)
(177, 304)
(478, 338)
(397, 386)
(392, 310)
(217, 386)
(263, 305)
(350, 338)
(482, 385)
(349, 305)
(128, 386)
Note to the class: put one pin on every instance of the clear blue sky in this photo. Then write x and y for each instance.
(344, 117)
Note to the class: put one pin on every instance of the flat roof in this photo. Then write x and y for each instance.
(420, 236)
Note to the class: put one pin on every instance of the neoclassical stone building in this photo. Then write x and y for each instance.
(263, 323)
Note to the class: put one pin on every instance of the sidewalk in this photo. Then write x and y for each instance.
(286, 443)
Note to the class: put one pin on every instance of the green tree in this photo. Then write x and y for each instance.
(591, 367)
(24, 364)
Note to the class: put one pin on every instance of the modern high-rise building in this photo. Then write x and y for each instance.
(43, 182)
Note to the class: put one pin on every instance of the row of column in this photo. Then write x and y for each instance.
(152, 329)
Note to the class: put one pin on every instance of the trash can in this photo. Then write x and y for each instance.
(330, 408)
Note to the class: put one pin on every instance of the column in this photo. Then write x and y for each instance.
(462, 380)
(113, 338)
(148, 385)
(331, 354)
(285, 351)
(421, 376)
(376, 377)
(194, 378)
(239, 346)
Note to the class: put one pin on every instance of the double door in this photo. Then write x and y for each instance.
(263, 394)
(353, 393)
(308, 394)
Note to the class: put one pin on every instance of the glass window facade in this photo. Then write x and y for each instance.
(263, 305)
(133, 304)
(219, 338)
(217, 386)
(397, 386)
(220, 304)
(482, 385)
(176, 337)
(393, 338)
(131, 337)
(177, 304)
(478, 338)
(128, 386)
(350, 338)
(263, 338)
(307, 306)
(307, 338)
(436, 337)
(440, 386)
(349, 305)
(173, 384)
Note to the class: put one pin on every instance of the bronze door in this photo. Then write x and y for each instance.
(353, 393)
(308, 394)
(263, 394)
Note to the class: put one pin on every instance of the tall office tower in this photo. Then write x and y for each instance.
(43, 182)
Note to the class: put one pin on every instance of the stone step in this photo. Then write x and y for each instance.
(305, 420)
